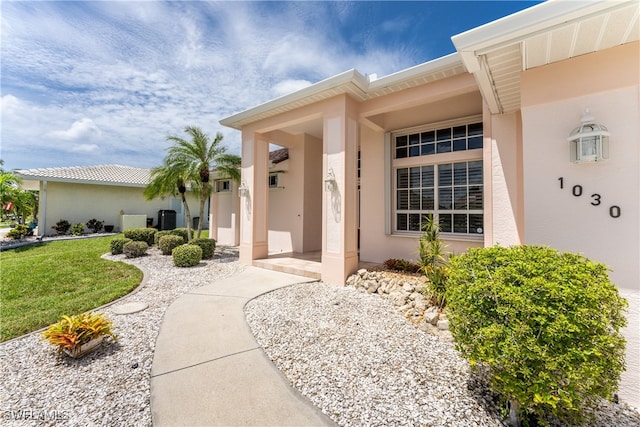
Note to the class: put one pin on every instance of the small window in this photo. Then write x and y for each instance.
(223, 185)
(273, 180)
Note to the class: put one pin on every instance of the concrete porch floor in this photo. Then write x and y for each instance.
(308, 264)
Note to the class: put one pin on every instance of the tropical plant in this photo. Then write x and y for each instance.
(546, 324)
(95, 225)
(18, 232)
(433, 260)
(9, 187)
(77, 229)
(196, 158)
(71, 332)
(62, 226)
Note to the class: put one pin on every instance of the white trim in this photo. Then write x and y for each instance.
(388, 147)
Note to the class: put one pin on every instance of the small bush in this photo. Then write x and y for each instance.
(168, 243)
(208, 247)
(94, 225)
(135, 249)
(183, 232)
(402, 265)
(117, 245)
(77, 229)
(187, 255)
(141, 235)
(18, 232)
(433, 261)
(62, 226)
(547, 324)
(158, 235)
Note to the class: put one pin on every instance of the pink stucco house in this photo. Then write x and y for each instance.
(483, 139)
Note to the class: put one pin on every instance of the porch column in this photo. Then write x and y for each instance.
(339, 205)
(254, 206)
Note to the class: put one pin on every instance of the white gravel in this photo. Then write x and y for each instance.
(110, 387)
(363, 364)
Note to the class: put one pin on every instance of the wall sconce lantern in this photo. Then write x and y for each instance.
(243, 190)
(589, 142)
(330, 181)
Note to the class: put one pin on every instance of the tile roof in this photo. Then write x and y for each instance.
(278, 156)
(100, 174)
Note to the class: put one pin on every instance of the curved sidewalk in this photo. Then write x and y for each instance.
(208, 370)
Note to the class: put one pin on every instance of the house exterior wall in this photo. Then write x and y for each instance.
(570, 218)
(78, 203)
(224, 223)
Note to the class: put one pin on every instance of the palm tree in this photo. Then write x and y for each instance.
(169, 179)
(197, 158)
(9, 187)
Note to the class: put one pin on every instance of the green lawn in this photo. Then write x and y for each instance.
(41, 283)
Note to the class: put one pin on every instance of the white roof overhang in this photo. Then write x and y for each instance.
(355, 85)
(496, 53)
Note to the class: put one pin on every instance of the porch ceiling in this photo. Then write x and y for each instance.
(554, 31)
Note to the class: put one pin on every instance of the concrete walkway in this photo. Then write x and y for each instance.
(208, 370)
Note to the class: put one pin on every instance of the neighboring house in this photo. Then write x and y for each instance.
(109, 193)
(478, 138)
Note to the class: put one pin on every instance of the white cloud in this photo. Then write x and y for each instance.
(84, 148)
(81, 130)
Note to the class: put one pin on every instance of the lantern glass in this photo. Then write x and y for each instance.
(589, 142)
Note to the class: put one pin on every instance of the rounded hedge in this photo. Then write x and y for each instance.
(183, 232)
(135, 249)
(168, 242)
(117, 244)
(158, 235)
(187, 255)
(208, 247)
(141, 235)
(546, 323)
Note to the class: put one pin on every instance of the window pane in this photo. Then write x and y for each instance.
(444, 147)
(428, 201)
(444, 198)
(414, 180)
(460, 223)
(475, 172)
(460, 173)
(445, 223)
(444, 174)
(475, 129)
(414, 222)
(443, 134)
(460, 197)
(414, 139)
(401, 220)
(427, 176)
(475, 142)
(402, 202)
(401, 153)
(402, 178)
(428, 136)
(428, 149)
(460, 131)
(401, 141)
(475, 224)
(459, 144)
(414, 199)
(424, 219)
(414, 151)
(475, 197)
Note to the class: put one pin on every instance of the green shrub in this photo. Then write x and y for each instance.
(18, 232)
(117, 245)
(158, 235)
(94, 225)
(547, 324)
(433, 261)
(62, 226)
(183, 232)
(77, 229)
(404, 265)
(141, 235)
(187, 255)
(135, 249)
(168, 242)
(208, 247)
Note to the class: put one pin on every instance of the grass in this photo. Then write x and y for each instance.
(40, 283)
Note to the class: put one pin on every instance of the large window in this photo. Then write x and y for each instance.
(438, 181)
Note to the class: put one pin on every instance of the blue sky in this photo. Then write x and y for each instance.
(87, 83)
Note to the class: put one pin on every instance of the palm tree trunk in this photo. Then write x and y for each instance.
(188, 215)
(203, 199)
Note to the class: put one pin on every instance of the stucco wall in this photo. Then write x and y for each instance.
(224, 223)
(81, 202)
(569, 218)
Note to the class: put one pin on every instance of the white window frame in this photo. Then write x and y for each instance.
(391, 188)
(222, 185)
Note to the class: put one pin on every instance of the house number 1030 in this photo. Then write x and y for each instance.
(596, 199)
